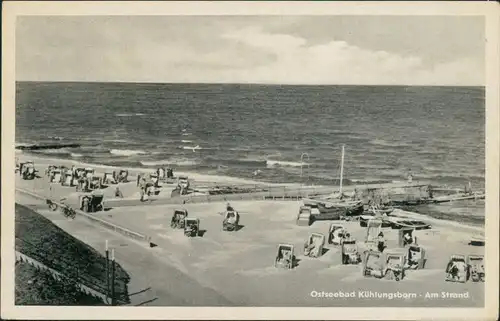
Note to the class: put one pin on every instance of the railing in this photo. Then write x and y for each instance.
(111, 226)
(274, 193)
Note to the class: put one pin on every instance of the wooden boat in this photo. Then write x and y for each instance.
(336, 205)
(447, 195)
(477, 240)
(363, 220)
(458, 197)
(414, 202)
(409, 223)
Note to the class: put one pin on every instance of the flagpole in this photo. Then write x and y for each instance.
(107, 271)
(113, 277)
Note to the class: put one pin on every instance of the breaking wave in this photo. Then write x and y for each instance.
(381, 142)
(127, 152)
(129, 114)
(179, 162)
(273, 163)
(197, 147)
(61, 151)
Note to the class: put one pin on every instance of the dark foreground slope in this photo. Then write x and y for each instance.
(39, 287)
(38, 238)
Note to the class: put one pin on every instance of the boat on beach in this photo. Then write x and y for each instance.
(414, 224)
(337, 204)
(446, 195)
(458, 197)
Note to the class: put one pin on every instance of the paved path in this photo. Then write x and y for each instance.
(154, 281)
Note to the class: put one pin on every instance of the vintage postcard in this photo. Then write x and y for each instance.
(271, 160)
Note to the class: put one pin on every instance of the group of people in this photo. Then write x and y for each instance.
(381, 241)
(146, 186)
(339, 235)
(165, 173)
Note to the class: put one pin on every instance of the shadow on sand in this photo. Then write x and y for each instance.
(146, 302)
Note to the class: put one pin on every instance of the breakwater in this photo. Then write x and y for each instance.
(47, 146)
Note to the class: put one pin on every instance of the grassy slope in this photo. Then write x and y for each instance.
(38, 287)
(40, 239)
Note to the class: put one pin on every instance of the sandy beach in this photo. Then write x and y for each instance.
(43, 162)
(237, 267)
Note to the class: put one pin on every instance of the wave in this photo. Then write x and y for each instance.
(240, 149)
(273, 163)
(127, 152)
(129, 114)
(58, 151)
(241, 163)
(186, 141)
(115, 140)
(55, 137)
(76, 155)
(22, 145)
(374, 166)
(197, 147)
(179, 162)
(381, 142)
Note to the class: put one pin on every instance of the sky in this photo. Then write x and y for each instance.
(358, 50)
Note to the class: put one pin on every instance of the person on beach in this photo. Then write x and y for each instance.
(407, 239)
(468, 189)
(118, 193)
(456, 269)
(410, 177)
(381, 242)
(142, 194)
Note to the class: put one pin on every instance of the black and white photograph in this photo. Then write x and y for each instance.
(251, 159)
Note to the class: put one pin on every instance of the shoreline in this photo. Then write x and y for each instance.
(134, 171)
(42, 162)
(200, 177)
(272, 175)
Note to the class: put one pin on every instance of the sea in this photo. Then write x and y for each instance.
(272, 133)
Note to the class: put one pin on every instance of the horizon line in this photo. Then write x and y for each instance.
(230, 83)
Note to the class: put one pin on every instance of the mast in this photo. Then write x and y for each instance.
(341, 170)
